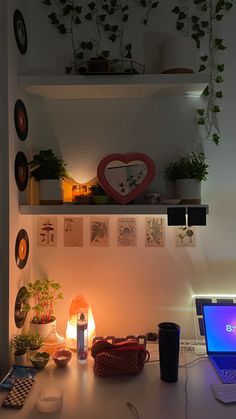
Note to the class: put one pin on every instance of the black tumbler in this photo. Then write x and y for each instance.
(169, 336)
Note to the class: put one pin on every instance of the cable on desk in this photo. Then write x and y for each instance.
(133, 409)
(192, 362)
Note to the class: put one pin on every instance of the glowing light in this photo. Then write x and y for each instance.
(71, 330)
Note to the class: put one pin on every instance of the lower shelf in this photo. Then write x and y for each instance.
(68, 209)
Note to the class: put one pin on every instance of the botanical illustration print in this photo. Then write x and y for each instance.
(73, 232)
(99, 231)
(185, 236)
(127, 232)
(154, 232)
(47, 232)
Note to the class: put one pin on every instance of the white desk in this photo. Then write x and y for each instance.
(90, 397)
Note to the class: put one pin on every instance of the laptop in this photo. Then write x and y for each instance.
(220, 335)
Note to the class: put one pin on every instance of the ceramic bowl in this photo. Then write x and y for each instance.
(62, 357)
(40, 359)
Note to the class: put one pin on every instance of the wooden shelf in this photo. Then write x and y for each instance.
(68, 209)
(114, 86)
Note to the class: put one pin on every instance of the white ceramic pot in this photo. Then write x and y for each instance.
(50, 191)
(178, 55)
(188, 190)
(20, 359)
(43, 330)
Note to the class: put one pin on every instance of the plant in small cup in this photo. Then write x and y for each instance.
(44, 295)
(35, 342)
(20, 344)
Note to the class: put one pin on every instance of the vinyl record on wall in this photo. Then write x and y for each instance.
(21, 120)
(21, 171)
(22, 248)
(19, 313)
(20, 31)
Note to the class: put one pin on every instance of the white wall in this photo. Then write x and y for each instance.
(132, 289)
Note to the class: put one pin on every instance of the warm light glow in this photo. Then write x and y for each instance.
(71, 330)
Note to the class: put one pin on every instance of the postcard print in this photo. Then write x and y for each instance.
(73, 232)
(47, 232)
(154, 232)
(99, 231)
(127, 232)
(185, 236)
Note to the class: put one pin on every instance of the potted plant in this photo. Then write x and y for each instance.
(187, 172)
(43, 295)
(49, 171)
(35, 342)
(20, 345)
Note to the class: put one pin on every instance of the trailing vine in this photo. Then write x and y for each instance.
(202, 23)
(109, 18)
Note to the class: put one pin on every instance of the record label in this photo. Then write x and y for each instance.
(22, 249)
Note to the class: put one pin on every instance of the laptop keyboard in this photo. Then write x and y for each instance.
(225, 362)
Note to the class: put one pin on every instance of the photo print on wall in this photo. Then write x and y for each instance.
(154, 232)
(73, 232)
(185, 236)
(126, 232)
(99, 231)
(47, 232)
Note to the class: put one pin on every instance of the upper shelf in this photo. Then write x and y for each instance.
(67, 209)
(114, 86)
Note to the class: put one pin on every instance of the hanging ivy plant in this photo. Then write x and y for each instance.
(149, 6)
(203, 23)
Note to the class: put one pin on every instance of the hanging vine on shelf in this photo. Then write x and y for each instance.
(149, 6)
(203, 23)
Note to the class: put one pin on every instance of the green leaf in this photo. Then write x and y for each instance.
(128, 47)
(201, 121)
(176, 10)
(124, 8)
(88, 16)
(219, 17)
(182, 16)
(145, 22)
(125, 18)
(179, 26)
(201, 112)
(220, 67)
(204, 24)
(195, 19)
(112, 37)
(92, 6)
(204, 58)
(77, 20)
(215, 138)
(219, 94)
(61, 29)
(216, 109)
(107, 27)
(155, 4)
(47, 2)
(202, 68)
(105, 54)
(67, 9)
(78, 9)
(102, 18)
(228, 5)
(219, 79)
(80, 55)
(114, 28)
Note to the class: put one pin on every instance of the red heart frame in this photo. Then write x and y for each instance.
(125, 158)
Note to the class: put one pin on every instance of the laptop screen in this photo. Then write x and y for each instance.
(220, 327)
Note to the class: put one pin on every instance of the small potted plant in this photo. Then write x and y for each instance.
(43, 295)
(187, 172)
(35, 342)
(20, 344)
(49, 171)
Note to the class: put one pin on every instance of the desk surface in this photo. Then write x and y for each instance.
(88, 397)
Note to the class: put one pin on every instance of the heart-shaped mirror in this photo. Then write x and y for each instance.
(125, 176)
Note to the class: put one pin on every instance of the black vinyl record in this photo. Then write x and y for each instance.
(22, 248)
(21, 120)
(19, 313)
(20, 31)
(21, 171)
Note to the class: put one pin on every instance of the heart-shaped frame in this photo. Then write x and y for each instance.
(125, 159)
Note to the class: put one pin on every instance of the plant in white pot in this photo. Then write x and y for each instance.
(187, 172)
(20, 344)
(43, 295)
(49, 171)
